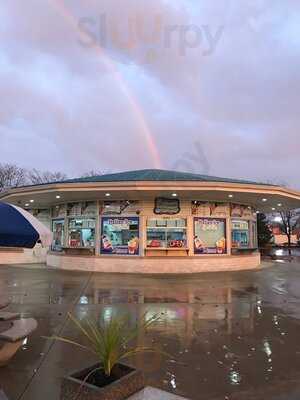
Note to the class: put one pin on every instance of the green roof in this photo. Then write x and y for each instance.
(156, 175)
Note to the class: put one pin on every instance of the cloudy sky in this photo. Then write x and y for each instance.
(205, 86)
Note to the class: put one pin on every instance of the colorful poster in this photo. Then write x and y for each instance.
(58, 228)
(210, 236)
(120, 235)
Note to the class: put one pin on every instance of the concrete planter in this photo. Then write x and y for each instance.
(127, 381)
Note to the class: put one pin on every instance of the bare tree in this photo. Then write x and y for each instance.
(36, 177)
(91, 173)
(290, 221)
(11, 176)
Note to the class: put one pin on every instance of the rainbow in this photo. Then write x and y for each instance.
(137, 111)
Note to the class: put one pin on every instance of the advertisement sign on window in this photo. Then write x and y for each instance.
(58, 228)
(120, 235)
(210, 236)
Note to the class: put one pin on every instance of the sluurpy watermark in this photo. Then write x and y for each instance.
(137, 35)
(194, 161)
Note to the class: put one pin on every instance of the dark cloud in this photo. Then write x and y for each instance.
(217, 84)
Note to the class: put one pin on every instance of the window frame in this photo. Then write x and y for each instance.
(210, 250)
(134, 251)
(249, 233)
(168, 229)
(82, 218)
(63, 221)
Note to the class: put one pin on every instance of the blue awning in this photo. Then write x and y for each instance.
(18, 228)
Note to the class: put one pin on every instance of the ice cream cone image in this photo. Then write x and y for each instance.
(106, 243)
(221, 246)
(133, 245)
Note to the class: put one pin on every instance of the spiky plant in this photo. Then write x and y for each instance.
(111, 341)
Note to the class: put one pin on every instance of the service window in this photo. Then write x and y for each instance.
(58, 229)
(210, 236)
(240, 234)
(166, 233)
(82, 232)
(120, 235)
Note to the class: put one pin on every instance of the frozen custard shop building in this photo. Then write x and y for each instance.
(149, 221)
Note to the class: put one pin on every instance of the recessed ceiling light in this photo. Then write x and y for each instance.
(273, 208)
(107, 194)
(27, 205)
(58, 196)
(174, 194)
(31, 201)
(230, 196)
(279, 205)
(264, 200)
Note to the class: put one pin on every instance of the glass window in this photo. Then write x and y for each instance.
(240, 234)
(82, 232)
(120, 235)
(58, 229)
(166, 233)
(210, 236)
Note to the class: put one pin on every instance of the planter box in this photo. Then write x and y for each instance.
(128, 381)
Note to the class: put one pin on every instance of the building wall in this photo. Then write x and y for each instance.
(151, 265)
(148, 260)
(282, 239)
(37, 255)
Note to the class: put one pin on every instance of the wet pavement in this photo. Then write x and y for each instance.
(278, 253)
(230, 335)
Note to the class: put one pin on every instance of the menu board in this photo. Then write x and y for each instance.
(240, 225)
(166, 206)
(87, 208)
(209, 236)
(120, 235)
(59, 211)
(74, 209)
(210, 209)
(241, 211)
(118, 207)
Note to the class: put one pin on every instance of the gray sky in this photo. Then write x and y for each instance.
(207, 86)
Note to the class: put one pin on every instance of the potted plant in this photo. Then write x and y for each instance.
(111, 343)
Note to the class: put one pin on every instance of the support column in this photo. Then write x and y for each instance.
(66, 232)
(97, 230)
(190, 234)
(143, 234)
(228, 235)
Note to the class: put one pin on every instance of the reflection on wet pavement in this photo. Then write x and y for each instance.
(229, 335)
